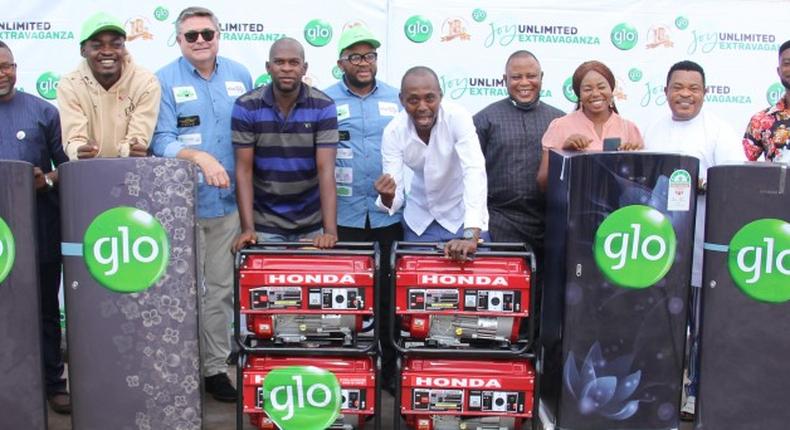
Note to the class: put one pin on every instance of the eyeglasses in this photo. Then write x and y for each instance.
(7, 67)
(356, 59)
(192, 36)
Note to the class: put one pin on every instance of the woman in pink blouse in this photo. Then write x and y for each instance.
(594, 119)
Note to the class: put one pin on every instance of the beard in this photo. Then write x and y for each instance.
(786, 83)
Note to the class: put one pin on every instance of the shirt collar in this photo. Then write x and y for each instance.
(268, 94)
(348, 90)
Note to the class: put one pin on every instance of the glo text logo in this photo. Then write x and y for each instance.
(759, 260)
(126, 249)
(318, 32)
(7, 250)
(624, 36)
(634, 246)
(301, 397)
(418, 29)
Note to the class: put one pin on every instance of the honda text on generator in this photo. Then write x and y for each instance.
(464, 332)
(308, 307)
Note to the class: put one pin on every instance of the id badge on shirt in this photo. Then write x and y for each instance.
(191, 139)
(343, 112)
(234, 88)
(185, 94)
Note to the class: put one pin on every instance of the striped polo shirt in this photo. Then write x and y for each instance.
(285, 175)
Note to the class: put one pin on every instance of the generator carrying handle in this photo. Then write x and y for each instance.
(369, 349)
(484, 249)
(306, 248)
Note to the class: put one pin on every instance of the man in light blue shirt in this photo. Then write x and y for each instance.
(364, 107)
(198, 92)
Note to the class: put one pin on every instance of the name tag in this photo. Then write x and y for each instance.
(184, 94)
(188, 121)
(343, 112)
(344, 175)
(235, 88)
(345, 153)
(343, 135)
(388, 109)
(191, 139)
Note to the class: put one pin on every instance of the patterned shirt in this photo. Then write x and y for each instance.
(510, 137)
(361, 121)
(285, 174)
(768, 133)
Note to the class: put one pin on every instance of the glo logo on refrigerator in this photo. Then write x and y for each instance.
(7, 250)
(634, 246)
(301, 397)
(126, 249)
(759, 260)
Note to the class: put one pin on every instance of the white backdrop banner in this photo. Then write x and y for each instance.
(466, 43)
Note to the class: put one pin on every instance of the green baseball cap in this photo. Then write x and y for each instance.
(99, 22)
(354, 35)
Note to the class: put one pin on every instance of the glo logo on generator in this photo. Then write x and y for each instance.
(759, 260)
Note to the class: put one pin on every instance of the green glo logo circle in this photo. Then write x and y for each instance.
(567, 90)
(318, 32)
(624, 36)
(681, 22)
(418, 29)
(161, 13)
(634, 247)
(759, 260)
(126, 249)
(775, 93)
(47, 85)
(301, 397)
(337, 73)
(7, 250)
(479, 15)
(635, 75)
(264, 79)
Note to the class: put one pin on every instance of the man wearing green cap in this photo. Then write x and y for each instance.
(364, 107)
(109, 105)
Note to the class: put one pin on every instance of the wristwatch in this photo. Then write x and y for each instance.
(469, 234)
(49, 182)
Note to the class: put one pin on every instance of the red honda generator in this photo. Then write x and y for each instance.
(480, 303)
(299, 297)
(452, 394)
(356, 375)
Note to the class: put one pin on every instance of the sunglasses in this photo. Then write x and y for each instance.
(192, 36)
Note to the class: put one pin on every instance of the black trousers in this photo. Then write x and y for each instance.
(385, 236)
(49, 285)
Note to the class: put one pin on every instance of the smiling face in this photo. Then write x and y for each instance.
(595, 93)
(105, 52)
(200, 51)
(685, 94)
(7, 74)
(421, 98)
(523, 77)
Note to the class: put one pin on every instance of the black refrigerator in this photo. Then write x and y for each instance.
(619, 245)
(745, 329)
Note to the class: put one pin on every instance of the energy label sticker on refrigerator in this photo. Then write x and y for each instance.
(679, 196)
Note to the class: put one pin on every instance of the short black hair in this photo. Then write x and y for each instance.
(785, 46)
(419, 70)
(286, 41)
(518, 54)
(688, 66)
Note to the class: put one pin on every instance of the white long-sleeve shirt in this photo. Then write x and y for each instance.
(449, 183)
(707, 138)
